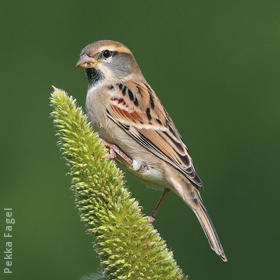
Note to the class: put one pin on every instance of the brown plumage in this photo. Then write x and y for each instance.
(128, 115)
(148, 124)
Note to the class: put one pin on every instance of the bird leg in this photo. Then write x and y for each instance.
(152, 217)
(115, 152)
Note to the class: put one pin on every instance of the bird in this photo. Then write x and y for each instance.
(137, 130)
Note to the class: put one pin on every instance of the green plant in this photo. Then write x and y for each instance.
(128, 247)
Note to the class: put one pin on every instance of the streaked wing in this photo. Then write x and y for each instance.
(137, 110)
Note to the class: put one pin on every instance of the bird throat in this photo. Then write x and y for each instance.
(93, 76)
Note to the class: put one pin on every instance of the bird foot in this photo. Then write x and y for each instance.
(111, 153)
(115, 152)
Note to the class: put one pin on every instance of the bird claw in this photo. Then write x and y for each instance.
(115, 152)
(111, 153)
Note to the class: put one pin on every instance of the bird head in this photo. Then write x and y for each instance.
(108, 59)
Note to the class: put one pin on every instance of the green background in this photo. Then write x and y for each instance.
(215, 66)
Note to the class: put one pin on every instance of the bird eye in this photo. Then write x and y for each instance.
(106, 53)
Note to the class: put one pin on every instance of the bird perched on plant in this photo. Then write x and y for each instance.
(136, 128)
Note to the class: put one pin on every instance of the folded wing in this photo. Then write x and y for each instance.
(137, 110)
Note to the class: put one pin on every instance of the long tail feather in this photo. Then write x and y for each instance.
(190, 194)
(209, 230)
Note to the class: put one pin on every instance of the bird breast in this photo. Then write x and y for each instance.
(145, 165)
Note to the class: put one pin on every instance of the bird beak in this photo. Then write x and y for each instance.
(87, 62)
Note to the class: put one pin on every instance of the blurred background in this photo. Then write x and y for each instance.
(214, 65)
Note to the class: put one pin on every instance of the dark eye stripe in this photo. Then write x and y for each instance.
(106, 54)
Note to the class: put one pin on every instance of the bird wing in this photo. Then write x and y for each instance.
(135, 108)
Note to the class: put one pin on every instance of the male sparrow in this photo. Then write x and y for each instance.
(136, 128)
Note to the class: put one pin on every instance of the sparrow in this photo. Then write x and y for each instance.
(127, 114)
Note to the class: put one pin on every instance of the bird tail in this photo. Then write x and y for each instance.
(191, 196)
(209, 230)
